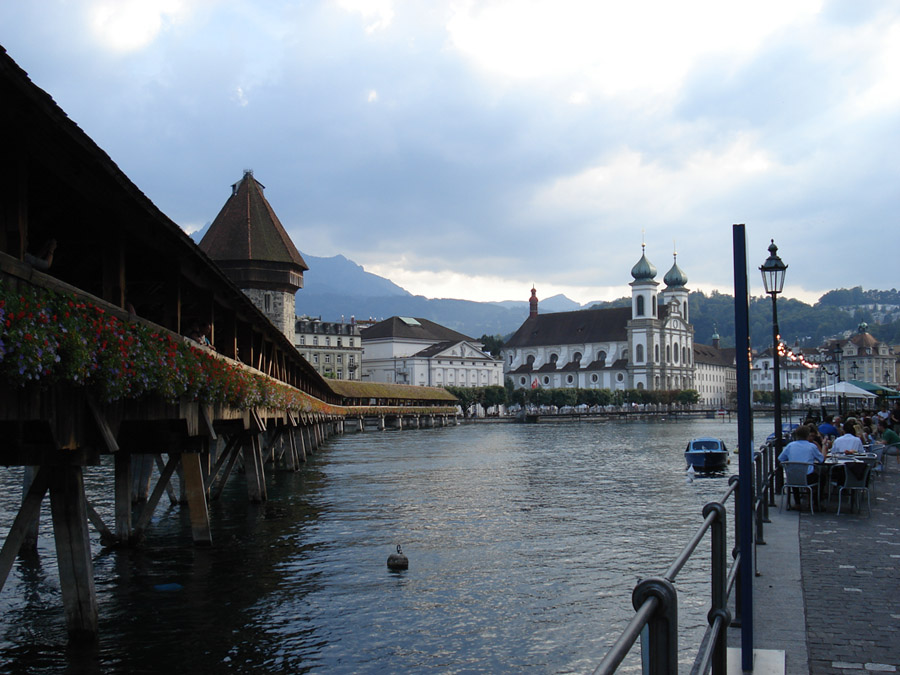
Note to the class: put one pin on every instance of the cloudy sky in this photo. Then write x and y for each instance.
(471, 149)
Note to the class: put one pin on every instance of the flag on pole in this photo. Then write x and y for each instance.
(534, 383)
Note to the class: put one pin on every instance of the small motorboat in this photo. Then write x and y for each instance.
(706, 454)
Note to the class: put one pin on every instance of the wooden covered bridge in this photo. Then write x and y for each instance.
(97, 289)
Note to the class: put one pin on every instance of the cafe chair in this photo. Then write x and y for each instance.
(856, 481)
(892, 450)
(873, 461)
(795, 478)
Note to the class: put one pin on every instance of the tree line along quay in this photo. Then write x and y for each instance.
(492, 397)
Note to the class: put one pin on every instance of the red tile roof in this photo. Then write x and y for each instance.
(248, 229)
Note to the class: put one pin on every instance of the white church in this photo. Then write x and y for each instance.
(649, 345)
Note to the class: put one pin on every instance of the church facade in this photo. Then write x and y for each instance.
(649, 345)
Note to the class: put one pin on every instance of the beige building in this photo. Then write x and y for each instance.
(333, 348)
(715, 374)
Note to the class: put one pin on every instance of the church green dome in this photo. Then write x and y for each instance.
(644, 269)
(675, 277)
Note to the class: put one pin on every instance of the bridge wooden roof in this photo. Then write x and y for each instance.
(383, 391)
(113, 242)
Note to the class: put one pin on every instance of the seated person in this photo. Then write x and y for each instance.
(827, 428)
(890, 439)
(849, 442)
(802, 450)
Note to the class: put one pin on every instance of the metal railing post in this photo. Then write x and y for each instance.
(661, 655)
(770, 453)
(719, 591)
(736, 481)
(759, 496)
(767, 471)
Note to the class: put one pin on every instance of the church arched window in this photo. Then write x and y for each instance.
(656, 353)
(601, 357)
(530, 361)
(640, 305)
(639, 354)
(675, 352)
(654, 307)
(668, 353)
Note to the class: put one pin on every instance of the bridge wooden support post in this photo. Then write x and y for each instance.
(73, 551)
(28, 513)
(142, 471)
(253, 468)
(292, 448)
(123, 484)
(301, 448)
(30, 537)
(192, 469)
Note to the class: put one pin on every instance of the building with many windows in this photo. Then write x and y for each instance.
(406, 350)
(715, 374)
(648, 345)
(333, 348)
(866, 358)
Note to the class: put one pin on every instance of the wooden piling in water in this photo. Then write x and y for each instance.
(73, 550)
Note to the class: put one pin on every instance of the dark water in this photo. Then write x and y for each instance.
(524, 543)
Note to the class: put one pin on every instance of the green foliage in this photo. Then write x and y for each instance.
(492, 344)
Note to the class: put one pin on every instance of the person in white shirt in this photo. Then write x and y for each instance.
(849, 442)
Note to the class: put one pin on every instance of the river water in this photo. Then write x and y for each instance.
(524, 544)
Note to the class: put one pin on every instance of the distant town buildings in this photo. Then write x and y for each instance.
(649, 345)
(406, 350)
(333, 348)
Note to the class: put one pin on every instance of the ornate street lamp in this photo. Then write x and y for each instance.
(854, 369)
(773, 272)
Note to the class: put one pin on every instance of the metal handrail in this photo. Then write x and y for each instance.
(655, 601)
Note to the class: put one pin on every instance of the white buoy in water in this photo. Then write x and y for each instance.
(397, 561)
(690, 474)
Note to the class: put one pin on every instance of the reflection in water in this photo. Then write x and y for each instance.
(524, 543)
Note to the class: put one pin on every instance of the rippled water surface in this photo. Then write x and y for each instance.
(524, 544)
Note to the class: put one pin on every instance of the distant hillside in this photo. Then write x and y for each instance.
(337, 276)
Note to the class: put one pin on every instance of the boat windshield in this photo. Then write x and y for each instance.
(706, 445)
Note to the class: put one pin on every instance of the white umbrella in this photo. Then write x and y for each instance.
(844, 389)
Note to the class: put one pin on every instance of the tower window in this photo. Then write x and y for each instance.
(640, 305)
(267, 301)
(639, 353)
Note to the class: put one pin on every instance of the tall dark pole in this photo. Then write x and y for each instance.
(776, 391)
(746, 497)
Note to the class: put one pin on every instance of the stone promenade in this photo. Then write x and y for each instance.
(828, 590)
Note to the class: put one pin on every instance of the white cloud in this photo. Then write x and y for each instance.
(378, 13)
(373, 96)
(614, 48)
(129, 25)
(645, 189)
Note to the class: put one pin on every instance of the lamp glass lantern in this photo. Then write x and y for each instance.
(773, 271)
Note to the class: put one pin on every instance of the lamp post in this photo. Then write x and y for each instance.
(854, 369)
(773, 272)
(838, 353)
